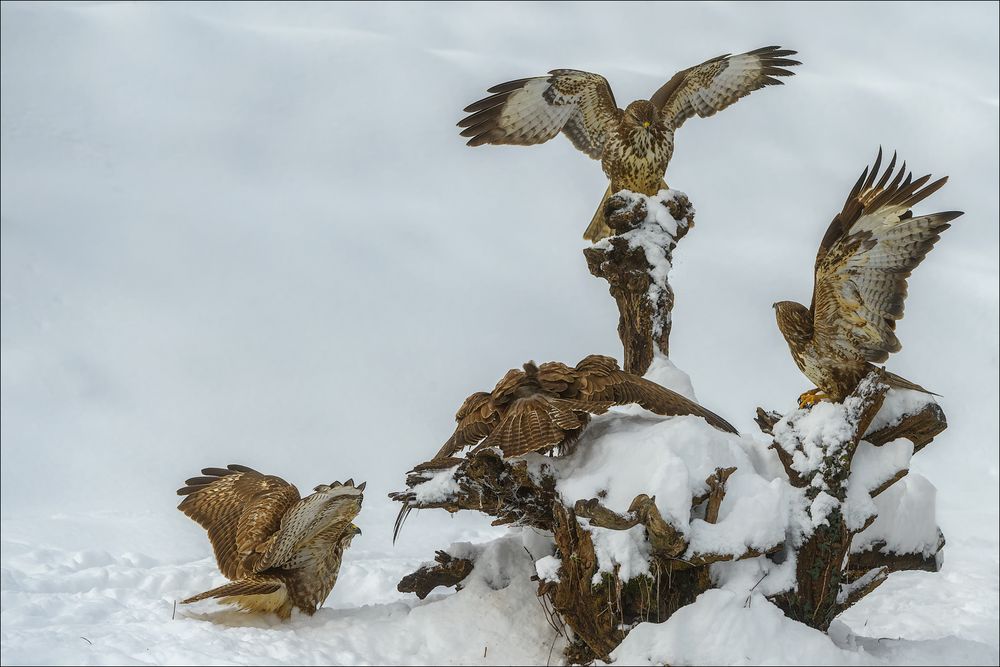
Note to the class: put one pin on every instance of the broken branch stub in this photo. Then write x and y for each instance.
(449, 571)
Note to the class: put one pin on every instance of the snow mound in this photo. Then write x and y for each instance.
(907, 521)
(724, 627)
(622, 455)
(92, 607)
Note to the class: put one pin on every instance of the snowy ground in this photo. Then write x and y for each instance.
(233, 233)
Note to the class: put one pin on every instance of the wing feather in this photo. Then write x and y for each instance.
(476, 418)
(534, 110)
(527, 426)
(869, 250)
(219, 502)
(600, 379)
(325, 510)
(718, 82)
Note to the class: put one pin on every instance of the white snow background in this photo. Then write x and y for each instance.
(251, 233)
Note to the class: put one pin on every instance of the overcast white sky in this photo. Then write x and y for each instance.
(251, 233)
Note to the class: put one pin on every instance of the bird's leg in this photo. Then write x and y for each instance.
(812, 397)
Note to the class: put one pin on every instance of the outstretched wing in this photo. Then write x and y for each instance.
(324, 515)
(600, 379)
(476, 418)
(715, 84)
(532, 111)
(240, 508)
(868, 252)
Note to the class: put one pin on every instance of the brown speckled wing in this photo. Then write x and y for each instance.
(868, 252)
(600, 379)
(558, 378)
(505, 390)
(330, 510)
(239, 508)
(532, 111)
(476, 418)
(715, 84)
(528, 426)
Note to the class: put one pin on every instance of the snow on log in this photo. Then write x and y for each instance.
(636, 263)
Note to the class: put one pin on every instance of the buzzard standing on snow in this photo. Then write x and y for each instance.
(634, 145)
(868, 252)
(280, 551)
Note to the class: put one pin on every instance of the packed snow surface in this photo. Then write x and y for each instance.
(249, 233)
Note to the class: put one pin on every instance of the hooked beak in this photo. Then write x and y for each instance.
(357, 531)
(645, 123)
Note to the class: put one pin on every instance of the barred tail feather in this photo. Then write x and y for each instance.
(598, 229)
(897, 382)
(237, 588)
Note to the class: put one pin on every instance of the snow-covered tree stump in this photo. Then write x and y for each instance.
(635, 262)
(845, 458)
(618, 558)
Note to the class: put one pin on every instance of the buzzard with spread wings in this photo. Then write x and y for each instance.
(279, 550)
(547, 406)
(868, 252)
(634, 145)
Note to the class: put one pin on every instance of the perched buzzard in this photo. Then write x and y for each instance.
(634, 145)
(280, 551)
(866, 256)
(547, 406)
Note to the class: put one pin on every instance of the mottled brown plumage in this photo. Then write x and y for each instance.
(635, 144)
(866, 255)
(280, 551)
(546, 406)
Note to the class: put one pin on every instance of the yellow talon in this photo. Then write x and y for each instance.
(812, 397)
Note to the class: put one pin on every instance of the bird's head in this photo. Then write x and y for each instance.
(643, 114)
(349, 534)
(794, 320)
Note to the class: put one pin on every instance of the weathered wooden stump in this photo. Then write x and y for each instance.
(599, 614)
(635, 262)
(600, 606)
(830, 578)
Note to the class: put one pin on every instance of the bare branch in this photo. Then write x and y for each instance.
(794, 478)
(766, 420)
(889, 482)
(920, 428)
(852, 593)
(717, 491)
